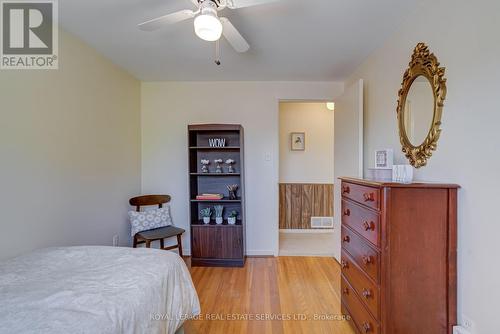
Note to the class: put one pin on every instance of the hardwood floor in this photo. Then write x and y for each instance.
(296, 290)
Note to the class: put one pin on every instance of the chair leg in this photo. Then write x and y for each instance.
(162, 243)
(148, 243)
(179, 243)
(135, 242)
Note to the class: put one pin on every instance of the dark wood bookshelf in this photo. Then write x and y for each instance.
(213, 244)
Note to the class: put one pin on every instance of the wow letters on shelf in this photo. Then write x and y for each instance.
(217, 142)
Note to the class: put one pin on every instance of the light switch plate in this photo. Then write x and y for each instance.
(115, 240)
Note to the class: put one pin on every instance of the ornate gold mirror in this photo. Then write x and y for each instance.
(420, 106)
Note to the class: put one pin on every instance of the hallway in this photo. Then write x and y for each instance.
(306, 244)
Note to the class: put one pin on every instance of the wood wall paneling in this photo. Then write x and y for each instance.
(300, 201)
(307, 202)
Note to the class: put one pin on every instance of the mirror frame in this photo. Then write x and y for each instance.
(423, 63)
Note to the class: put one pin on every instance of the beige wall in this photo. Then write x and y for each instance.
(314, 165)
(167, 109)
(464, 36)
(70, 152)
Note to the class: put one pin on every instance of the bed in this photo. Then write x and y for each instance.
(96, 290)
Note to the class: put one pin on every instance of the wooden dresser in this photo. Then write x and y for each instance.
(399, 256)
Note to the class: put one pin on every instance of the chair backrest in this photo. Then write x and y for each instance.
(147, 200)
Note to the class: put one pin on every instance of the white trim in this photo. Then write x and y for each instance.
(260, 253)
(361, 127)
(249, 253)
(306, 254)
(319, 230)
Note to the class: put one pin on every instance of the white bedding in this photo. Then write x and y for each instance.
(96, 290)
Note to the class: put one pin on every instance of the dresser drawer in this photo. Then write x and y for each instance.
(367, 291)
(364, 221)
(368, 196)
(364, 255)
(361, 317)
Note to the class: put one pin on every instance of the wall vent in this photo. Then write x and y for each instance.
(321, 222)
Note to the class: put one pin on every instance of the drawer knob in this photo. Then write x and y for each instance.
(344, 264)
(345, 291)
(347, 238)
(367, 327)
(346, 189)
(367, 293)
(347, 212)
(367, 259)
(369, 226)
(369, 197)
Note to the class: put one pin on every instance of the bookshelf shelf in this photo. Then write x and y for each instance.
(215, 174)
(224, 200)
(214, 148)
(212, 244)
(213, 224)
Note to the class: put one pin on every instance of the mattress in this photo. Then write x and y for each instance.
(95, 290)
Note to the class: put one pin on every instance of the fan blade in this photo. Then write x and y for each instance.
(161, 21)
(196, 3)
(233, 36)
(234, 4)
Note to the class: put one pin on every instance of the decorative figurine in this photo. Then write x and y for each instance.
(204, 165)
(230, 163)
(218, 167)
(233, 189)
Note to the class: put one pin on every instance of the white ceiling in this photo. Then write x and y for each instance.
(296, 40)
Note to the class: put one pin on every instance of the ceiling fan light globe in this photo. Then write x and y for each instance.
(208, 27)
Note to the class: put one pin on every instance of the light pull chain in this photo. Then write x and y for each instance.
(217, 52)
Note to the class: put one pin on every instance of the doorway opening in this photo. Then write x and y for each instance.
(306, 178)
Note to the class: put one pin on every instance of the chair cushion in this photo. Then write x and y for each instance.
(150, 219)
(160, 233)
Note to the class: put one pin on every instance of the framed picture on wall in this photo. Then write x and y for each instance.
(298, 141)
(384, 159)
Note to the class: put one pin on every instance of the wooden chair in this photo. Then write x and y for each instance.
(159, 233)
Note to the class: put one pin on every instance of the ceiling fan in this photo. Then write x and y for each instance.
(207, 24)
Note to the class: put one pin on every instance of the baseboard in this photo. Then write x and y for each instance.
(264, 253)
(323, 230)
(254, 253)
(284, 254)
